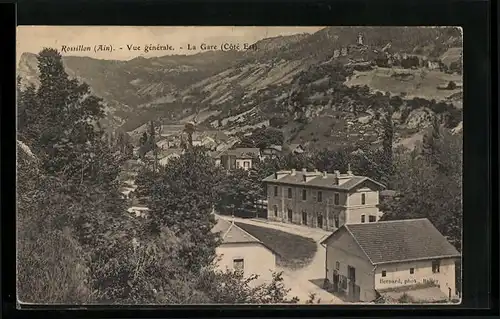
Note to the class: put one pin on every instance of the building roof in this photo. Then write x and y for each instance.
(400, 240)
(215, 154)
(388, 193)
(295, 145)
(319, 180)
(232, 234)
(278, 148)
(169, 152)
(243, 152)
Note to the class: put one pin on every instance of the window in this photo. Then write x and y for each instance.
(289, 193)
(320, 196)
(363, 199)
(344, 282)
(372, 219)
(238, 264)
(336, 199)
(275, 211)
(304, 194)
(435, 266)
(384, 273)
(275, 191)
(246, 164)
(412, 271)
(337, 265)
(362, 218)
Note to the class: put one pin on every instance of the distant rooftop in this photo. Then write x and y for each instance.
(243, 152)
(336, 181)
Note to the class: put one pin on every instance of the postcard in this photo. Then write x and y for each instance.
(239, 165)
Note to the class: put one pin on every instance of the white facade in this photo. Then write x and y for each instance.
(418, 272)
(342, 252)
(254, 257)
(245, 164)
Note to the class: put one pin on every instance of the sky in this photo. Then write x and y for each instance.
(120, 38)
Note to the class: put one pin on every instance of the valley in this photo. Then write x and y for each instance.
(313, 84)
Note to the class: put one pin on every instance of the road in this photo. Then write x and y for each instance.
(299, 280)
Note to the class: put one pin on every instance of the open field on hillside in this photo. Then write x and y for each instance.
(414, 83)
(294, 251)
(331, 133)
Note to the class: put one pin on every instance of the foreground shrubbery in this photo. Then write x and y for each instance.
(77, 244)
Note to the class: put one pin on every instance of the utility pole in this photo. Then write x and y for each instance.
(155, 149)
(348, 136)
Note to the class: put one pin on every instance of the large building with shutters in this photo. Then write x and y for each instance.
(322, 200)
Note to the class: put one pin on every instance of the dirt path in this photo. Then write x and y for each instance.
(299, 281)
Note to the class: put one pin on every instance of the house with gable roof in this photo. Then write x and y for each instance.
(240, 250)
(321, 199)
(390, 259)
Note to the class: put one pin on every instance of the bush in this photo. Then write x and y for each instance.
(51, 269)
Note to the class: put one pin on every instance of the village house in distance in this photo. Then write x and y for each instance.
(243, 158)
(322, 200)
(389, 259)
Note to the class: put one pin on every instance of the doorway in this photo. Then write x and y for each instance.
(354, 290)
(335, 281)
(320, 221)
(304, 218)
(290, 215)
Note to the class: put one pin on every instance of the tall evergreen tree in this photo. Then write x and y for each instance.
(73, 150)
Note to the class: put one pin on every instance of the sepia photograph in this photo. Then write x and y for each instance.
(239, 165)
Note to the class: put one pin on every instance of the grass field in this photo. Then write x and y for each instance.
(293, 251)
(417, 83)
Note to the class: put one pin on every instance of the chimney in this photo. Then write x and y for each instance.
(325, 174)
(304, 170)
(293, 172)
(280, 174)
(315, 171)
(337, 173)
(342, 178)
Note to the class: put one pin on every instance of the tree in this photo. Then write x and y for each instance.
(262, 138)
(78, 182)
(51, 264)
(182, 198)
(144, 139)
(238, 191)
(387, 142)
(429, 142)
(430, 187)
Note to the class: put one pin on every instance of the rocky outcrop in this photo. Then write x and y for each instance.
(419, 119)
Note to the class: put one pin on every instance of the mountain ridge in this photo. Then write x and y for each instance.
(257, 83)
